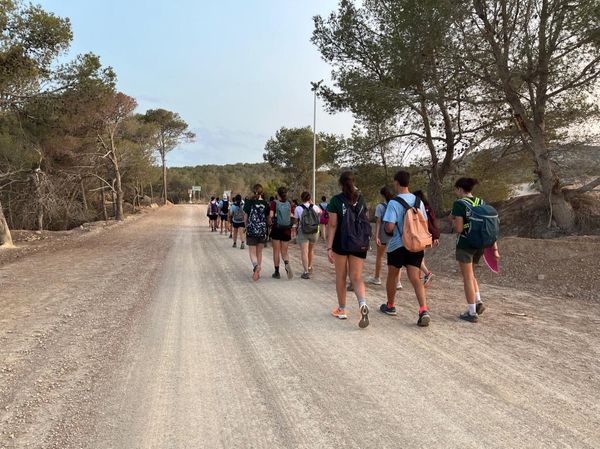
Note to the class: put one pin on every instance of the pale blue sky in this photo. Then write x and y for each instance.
(236, 70)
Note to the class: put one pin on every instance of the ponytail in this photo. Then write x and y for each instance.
(258, 191)
(348, 184)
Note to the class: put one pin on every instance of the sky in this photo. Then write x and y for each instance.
(236, 70)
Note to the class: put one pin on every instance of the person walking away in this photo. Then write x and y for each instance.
(256, 211)
(236, 211)
(324, 218)
(213, 213)
(382, 238)
(406, 218)
(347, 245)
(281, 232)
(433, 230)
(307, 223)
(224, 214)
(471, 240)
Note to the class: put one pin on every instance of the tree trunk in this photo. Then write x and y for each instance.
(103, 203)
(435, 192)
(83, 196)
(164, 167)
(151, 194)
(561, 210)
(5, 237)
(39, 217)
(119, 193)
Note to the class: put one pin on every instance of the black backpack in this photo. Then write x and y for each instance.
(225, 208)
(355, 227)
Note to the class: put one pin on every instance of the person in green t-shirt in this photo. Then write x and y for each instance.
(466, 255)
(346, 263)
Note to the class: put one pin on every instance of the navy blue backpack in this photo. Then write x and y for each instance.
(355, 227)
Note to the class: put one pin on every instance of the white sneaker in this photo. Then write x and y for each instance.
(373, 280)
(399, 286)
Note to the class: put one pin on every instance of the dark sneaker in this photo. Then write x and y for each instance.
(480, 307)
(305, 276)
(230, 236)
(468, 317)
(242, 246)
(388, 310)
(276, 275)
(364, 316)
(424, 319)
(349, 288)
(234, 245)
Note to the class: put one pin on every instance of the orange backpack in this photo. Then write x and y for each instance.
(415, 232)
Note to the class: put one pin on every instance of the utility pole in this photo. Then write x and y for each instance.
(315, 89)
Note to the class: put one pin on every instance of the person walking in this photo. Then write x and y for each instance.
(294, 207)
(398, 255)
(281, 232)
(347, 245)
(256, 211)
(468, 255)
(236, 213)
(213, 213)
(433, 230)
(224, 214)
(382, 238)
(324, 218)
(307, 227)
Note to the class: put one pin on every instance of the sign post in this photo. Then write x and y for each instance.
(194, 190)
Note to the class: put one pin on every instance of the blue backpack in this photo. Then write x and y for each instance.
(355, 227)
(257, 222)
(483, 228)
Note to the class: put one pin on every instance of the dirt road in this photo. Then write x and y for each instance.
(151, 335)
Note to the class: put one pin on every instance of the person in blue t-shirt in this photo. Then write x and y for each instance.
(398, 256)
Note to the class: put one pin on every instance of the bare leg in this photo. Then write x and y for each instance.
(390, 286)
(414, 276)
(379, 260)
(424, 268)
(285, 246)
(341, 272)
(356, 265)
(311, 253)
(469, 281)
(304, 252)
(276, 252)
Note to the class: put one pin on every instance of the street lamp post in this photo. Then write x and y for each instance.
(315, 89)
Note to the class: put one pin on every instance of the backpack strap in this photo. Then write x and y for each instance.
(404, 204)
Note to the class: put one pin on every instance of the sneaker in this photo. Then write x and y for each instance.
(288, 270)
(234, 245)
(388, 310)
(364, 316)
(276, 275)
(305, 276)
(339, 313)
(242, 246)
(480, 307)
(424, 319)
(399, 286)
(349, 288)
(256, 273)
(230, 235)
(373, 280)
(468, 317)
(427, 279)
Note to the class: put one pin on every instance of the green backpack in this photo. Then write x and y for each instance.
(283, 213)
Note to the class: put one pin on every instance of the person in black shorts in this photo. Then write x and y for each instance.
(397, 254)
(346, 262)
(281, 232)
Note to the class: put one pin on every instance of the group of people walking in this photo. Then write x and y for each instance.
(405, 228)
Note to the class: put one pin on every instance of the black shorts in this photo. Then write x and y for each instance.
(213, 217)
(404, 258)
(239, 225)
(282, 234)
(224, 217)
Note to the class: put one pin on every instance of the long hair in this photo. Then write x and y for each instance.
(421, 195)
(348, 184)
(387, 193)
(282, 193)
(305, 197)
(258, 192)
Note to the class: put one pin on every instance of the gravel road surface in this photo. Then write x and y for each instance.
(151, 334)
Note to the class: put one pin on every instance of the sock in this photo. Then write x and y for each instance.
(390, 305)
(477, 297)
(276, 269)
(342, 307)
(286, 262)
(361, 302)
(472, 309)
(423, 309)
